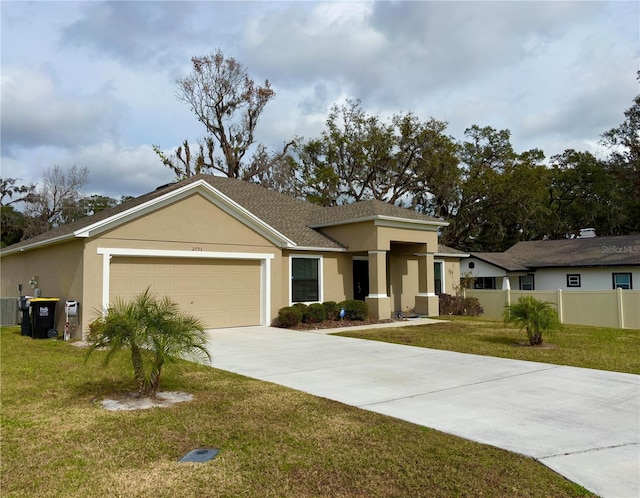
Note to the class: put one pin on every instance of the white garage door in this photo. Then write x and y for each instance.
(221, 292)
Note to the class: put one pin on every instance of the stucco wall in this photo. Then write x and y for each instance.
(59, 272)
(590, 278)
(193, 224)
(337, 275)
(481, 268)
(357, 236)
(403, 285)
(450, 275)
(366, 236)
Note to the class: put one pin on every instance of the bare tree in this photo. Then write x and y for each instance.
(184, 164)
(47, 206)
(229, 104)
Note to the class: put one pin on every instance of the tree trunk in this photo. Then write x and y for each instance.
(138, 370)
(154, 378)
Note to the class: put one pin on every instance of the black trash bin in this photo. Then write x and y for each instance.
(25, 323)
(43, 317)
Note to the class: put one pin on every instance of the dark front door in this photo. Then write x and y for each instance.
(360, 279)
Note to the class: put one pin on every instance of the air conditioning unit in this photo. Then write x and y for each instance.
(9, 311)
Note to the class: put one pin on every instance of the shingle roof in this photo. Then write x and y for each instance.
(597, 251)
(501, 260)
(450, 251)
(365, 210)
(291, 217)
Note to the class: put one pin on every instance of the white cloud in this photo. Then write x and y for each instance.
(123, 170)
(143, 33)
(35, 112)
(114, 169)
(93, 83)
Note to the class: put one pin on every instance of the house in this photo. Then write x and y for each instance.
(233, 253)
(590, 263)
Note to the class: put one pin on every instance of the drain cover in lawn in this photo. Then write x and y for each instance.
(200, 455)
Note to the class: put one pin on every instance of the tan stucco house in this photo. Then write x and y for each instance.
(234, 253)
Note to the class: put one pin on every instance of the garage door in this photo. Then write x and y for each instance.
(221, 292)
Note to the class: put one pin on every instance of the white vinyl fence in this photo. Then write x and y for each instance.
(606, 308)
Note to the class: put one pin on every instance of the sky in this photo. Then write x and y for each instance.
(93, 84)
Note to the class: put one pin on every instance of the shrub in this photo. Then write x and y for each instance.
(331, 310)
(289, 316)
(354, 309)
(303, 308)
(534, 316)
(448, 305)
(154, 330)
(471, 306)
(316, 313)
(458, 305)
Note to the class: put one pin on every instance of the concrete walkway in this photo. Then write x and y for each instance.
(582, 423)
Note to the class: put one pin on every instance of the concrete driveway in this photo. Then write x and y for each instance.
(582, 423)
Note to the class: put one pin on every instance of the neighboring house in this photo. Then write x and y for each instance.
(595, 263)
(233, 253)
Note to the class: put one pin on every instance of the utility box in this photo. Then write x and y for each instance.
(43, 317)
(25, 321)
(71, 309)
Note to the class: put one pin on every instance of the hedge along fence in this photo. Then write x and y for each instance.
(606, 308)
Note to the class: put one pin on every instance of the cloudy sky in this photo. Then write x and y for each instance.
(94, 83)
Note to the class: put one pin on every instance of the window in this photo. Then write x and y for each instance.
(484, 283)
(526, 282)
(305, 279)
(573, 280)
(622, 281)
(437, 275)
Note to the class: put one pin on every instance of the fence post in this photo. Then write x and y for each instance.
(508, 296)
(620, 308)
(560, 306)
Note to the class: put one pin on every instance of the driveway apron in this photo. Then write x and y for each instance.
(582, 423)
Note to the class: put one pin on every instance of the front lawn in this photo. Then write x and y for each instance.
(57, 440)
(576, 345)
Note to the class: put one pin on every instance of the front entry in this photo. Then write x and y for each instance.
(360, 279)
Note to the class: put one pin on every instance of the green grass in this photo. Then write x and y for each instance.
(58, 441)
(580, 346)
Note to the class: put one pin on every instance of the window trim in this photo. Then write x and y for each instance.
(613, 279)
(483, 280)
(574, 276)
(317, 257)
(533, 282)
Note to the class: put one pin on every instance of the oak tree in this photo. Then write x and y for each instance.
(229, 104)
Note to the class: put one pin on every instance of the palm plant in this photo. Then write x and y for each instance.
(154, 330)
(534, 316)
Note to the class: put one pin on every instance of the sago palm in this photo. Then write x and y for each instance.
(154, 330)
(534, 316)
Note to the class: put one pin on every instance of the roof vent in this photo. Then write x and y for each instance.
(587, 233)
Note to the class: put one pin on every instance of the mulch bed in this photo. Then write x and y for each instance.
(334, 324)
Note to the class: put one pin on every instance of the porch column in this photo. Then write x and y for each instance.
(378, 301)
(426, 300)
